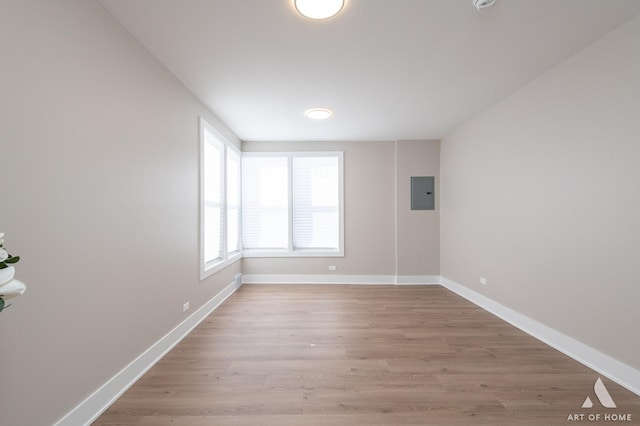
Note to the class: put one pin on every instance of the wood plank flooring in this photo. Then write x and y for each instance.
(331, 355)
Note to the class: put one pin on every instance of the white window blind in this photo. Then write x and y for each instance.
(233, 201)
(213, 220)
(316, 202)
(292, 204)
(265, 203)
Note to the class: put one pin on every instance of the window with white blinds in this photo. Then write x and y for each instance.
(233, 201)
(292, 204)
(316, 203)
(212, 199)
(220, 204)
(265, 202)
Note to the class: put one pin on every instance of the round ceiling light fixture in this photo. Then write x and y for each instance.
(481, 4)
(318, 9)
(318, 113)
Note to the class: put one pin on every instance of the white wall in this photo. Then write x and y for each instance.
(418, 230)
(539, 195)
(99, 166)
(377, 194)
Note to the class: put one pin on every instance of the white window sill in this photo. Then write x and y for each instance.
(213, 267)
(296, 253)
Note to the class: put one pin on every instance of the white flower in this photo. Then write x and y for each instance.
(3, 255)
(1, 238)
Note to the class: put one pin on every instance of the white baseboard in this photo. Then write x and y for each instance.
(615, 370)
(418, 279)
(94, 405)
(341, 279)
(318, 279)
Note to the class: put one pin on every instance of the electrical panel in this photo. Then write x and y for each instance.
(422, 193)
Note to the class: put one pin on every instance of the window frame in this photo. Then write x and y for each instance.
(290, 251)
(226, 258)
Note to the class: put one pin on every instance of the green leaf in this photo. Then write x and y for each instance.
(3, 265)
(12, 259)
(1, 304)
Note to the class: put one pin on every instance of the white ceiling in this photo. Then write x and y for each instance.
(389, 69)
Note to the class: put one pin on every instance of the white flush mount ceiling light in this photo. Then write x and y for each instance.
(318, 9)
(318, 113)
(481, 4)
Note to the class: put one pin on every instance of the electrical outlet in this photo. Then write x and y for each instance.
(185, 307)
(483, 281)
(333, 268)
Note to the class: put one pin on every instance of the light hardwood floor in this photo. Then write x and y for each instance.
(295, 355)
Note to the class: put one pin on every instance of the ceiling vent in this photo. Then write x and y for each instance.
(481, 4)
